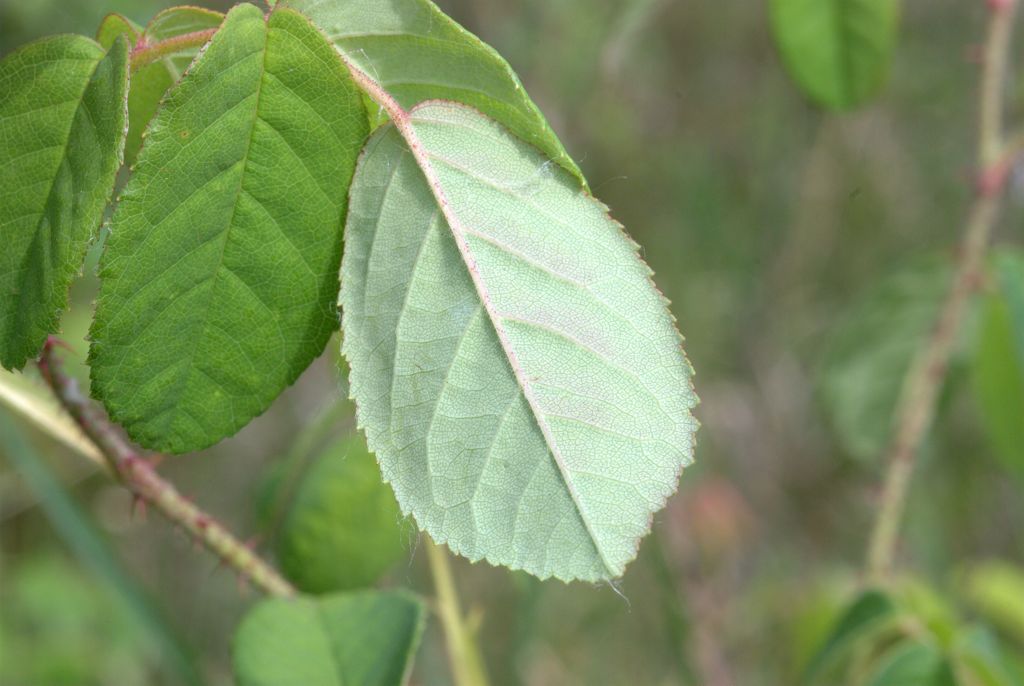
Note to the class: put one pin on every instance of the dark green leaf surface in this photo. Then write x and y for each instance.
(222, 265)
(62, 127)
(417, 53)
(838, 51)
(869, 613)
(999, 363)
(355, 639)
(343, 528)
(518, 375)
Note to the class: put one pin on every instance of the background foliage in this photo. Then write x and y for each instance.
(785, 237)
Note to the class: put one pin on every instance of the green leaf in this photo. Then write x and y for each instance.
(61, 139)
(89, 545)
(221, 267)
(837, 51)
(150, 83)
(996, 590)
(999, 363)
(978, 653)
(913, 664)
(516, 371)
(417, 53)
(114, 25)
(871, 350)
(342, 530)
(872, 612)
(367, 638)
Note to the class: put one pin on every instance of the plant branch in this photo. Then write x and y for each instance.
(139, 476)
(144, 54)
(926, 375)
(467, 665)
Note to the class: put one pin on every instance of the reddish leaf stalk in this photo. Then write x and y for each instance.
(138, 476)
(147, 53)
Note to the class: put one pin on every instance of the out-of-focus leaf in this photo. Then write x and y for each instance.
(220, 275)
(999, 363)
(913, 664)
(367, 638)
(837, 51)
(89, 546)
(871, 349)
(342, 530)
(929, 607)
(417, 53)
(871, 612)
(996, 589)
(978, 654)
(517, 373)
(62, 130)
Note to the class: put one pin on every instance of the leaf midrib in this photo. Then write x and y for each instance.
(185, 376)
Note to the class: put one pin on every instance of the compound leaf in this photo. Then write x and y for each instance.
(838, 51)
(367, 638)
(222, 264)
(417, 53)
(516, 371)
(62, 126)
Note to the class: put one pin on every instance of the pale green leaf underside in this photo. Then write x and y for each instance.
(838, 51)
(538, 417)
(222, 263)
(62, 124)
(356, 639)
(417, 53)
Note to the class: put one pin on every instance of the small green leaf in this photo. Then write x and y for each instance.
(114, 25)
(62, 129)
(367, 638)
(417, 53)
(221, 267)
(871, 350)
(838, 51)
(518, 375)
(999, 363)
(342, 530)
(871, 613)
(913, 664)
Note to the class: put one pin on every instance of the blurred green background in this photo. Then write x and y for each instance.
(803, 253)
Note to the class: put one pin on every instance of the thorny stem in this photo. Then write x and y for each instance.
(144, 54)
(139, 476)
(466, 663)
(924, 380)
